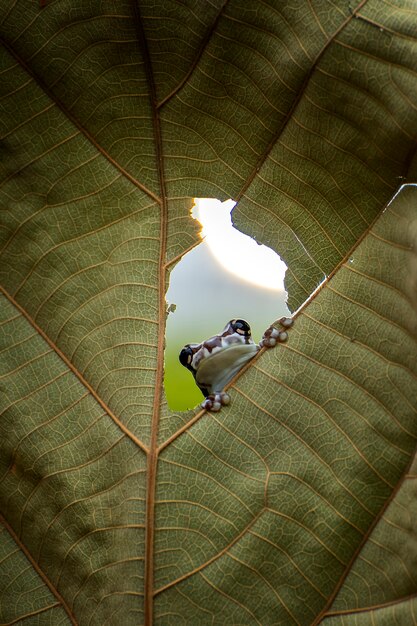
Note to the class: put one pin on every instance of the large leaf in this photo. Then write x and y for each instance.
(114, 509)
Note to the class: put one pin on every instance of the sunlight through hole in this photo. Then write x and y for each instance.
(236, 252)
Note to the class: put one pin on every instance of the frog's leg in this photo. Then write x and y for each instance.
(272, 335)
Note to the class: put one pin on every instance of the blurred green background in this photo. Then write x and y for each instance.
(207, 296)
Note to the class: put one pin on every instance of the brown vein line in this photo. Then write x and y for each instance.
(68, 363)
(305, 183)
(304, 444)
(70, 277)
(394, 555)
(399, 9)
(198, 505)
(297, 100)
(153, 447)
(31, 614)
(99, 295)
(38, 570)
(49, 421)
(398, 90)
(263, 58)
(355, 384)
(304, 207)
(124, 345)
(256, 573)
(101, 569)
(228, 125)
(199, 607)
(290, 559)
(375, 279)
(379, 568)
(19, 343)
(322, 407)
(362, 543)
(308, 531)
(46, 477)
(212, 559)
(316, 17)
(204, 43)
(89, 497)
(351, 125)
(242, 442)
(392, 244)
(292, 234)
(31, 393)
(69, 442)
(211, 452)
(179, 256)
(287, 49)
(50, 94)
(366, 94)
(9, 320)
(113, 320)
(27, 120)
(365, 346)
(104, 529)
(377, 58)
(184, 529)
(9, 554)
(321, 497)
(385, 319)
(39, 157)
(209, 479)
(230, 598)
(384, 28)
(67, 242)
(289, 27)
(357, 243)
(349, 153)
(25, 364)
(181, 430)
(372, 607)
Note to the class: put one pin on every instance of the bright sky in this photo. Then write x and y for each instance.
(236, 252)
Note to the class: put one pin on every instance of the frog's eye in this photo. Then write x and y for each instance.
(241, 327)
(186, 356)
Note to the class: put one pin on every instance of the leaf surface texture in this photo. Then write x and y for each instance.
(293, 505)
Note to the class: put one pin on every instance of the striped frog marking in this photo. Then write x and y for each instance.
(215, 361)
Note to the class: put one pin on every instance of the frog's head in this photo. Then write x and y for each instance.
(186, 357)
(235, 331)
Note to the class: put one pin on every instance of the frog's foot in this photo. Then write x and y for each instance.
(215, 401)
(272, 335)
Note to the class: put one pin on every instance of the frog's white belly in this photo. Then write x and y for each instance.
(215, 371)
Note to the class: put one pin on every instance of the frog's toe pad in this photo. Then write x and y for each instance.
(215, 401)
(286, 322)
(272, 335)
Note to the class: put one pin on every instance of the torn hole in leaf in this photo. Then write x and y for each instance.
(227, 276)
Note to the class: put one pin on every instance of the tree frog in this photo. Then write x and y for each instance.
(215, 361)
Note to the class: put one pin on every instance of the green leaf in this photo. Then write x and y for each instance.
(294, 504)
